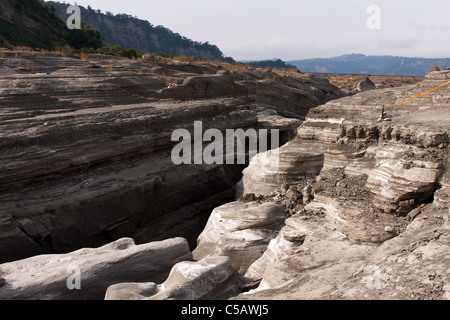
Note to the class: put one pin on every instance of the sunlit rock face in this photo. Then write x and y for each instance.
(377, 224)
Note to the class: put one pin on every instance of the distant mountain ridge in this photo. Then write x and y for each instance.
(362, 64)
(131, 32)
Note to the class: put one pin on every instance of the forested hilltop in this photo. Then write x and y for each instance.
(35, 24)
(130, 32)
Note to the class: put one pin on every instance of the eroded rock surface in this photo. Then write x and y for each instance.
(212, 277)
(241, 231)
(375, 221)
(86, 144)
(53, 277)
(352, 208)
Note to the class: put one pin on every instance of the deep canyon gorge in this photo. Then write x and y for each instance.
(87, 179)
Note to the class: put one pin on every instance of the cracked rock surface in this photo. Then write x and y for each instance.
(376, 222)
(348, 208)
(86, 145)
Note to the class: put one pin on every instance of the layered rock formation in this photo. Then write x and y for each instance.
(351, 208)
(376, 225)
(241, 231)
(54, 277)
(211, 278)
(86, 145)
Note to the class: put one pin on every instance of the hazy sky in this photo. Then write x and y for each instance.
(300, 29)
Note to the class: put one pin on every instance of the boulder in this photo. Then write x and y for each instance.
(292, 164)
(364, 85)
(204, 87)
(205, 279)
(87, 273)
(241, 231)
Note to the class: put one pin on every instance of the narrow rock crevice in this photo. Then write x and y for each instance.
(77, 144)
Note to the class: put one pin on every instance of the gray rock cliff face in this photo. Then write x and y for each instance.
(376, 226)
(86, 146)
(350, 208)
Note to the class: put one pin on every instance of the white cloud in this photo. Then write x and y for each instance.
(422, 27)
(277, 41)
(295, 29)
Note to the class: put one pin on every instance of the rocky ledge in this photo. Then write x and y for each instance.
(86, 145)
(351, 208)
(373, 221)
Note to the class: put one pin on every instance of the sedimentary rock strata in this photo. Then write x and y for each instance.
(212, 277)
(86, 144)
(240, 230)
(54, 277)
(377, 224)
(353, 207)
(402, 160)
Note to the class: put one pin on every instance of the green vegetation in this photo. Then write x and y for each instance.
(275, 64)
(42, 25)
(130, 32)
(35, 24)
(116, 50)
(12, 34)
(86, 37)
